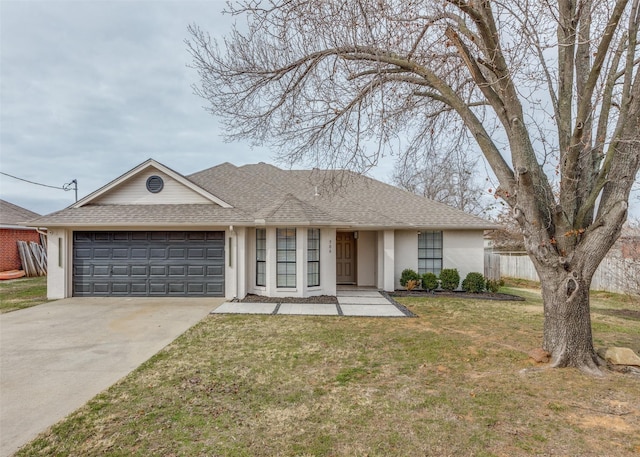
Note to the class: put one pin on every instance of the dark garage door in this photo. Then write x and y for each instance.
(148, 264)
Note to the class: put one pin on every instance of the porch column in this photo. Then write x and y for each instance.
(241, 261)
(388, 260)
(231, 264)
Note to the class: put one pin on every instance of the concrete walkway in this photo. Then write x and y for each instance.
(351, 302)
(56, 356)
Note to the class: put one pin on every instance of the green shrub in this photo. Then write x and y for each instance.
(474, 283)
(408, 275)
(429, 281)
(494, 285)
(449, 279)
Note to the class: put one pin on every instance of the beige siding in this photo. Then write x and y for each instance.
(464, 250)
(367, 251)
(406, 253)
(59, 263)
(135, 192)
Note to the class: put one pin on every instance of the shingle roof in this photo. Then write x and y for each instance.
(11, 214)
(144, 215)
(263, 194)
(344, 198)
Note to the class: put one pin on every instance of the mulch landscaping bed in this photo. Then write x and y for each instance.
(251, 298)
(456, 294)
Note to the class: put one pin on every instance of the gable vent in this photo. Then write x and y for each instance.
(155, 184)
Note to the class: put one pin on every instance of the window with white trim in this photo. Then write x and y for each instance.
(313, 257)
(286, 257)
(261, 257)
(430, 252)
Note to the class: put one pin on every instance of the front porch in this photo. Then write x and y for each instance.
(352, 301)
(306, 262)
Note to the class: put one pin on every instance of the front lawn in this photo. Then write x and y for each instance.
(22, 293)
(456, 381)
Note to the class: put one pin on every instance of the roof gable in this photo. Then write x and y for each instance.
(294, 211)
(131, 189)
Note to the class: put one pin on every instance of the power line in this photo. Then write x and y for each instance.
(32, 182)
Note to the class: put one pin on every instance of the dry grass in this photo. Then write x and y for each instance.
(456, 381)
(22, 293)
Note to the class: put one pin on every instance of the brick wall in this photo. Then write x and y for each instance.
(9, 256)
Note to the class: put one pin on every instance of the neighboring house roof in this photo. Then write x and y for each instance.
(263, 194)
(14, 215)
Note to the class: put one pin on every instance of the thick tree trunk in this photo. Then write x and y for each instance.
(567, 319)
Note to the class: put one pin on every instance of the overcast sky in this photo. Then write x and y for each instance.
(90, 89)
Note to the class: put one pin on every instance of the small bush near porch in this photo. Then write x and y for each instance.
(456, 381)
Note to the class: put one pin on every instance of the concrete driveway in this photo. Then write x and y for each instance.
(57, 356)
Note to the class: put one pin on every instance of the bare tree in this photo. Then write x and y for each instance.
(549, 91)
(509, 236)
(446, 176)
(441, 166)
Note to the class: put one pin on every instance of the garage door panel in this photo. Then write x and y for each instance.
(101, 270)
(82, 270)
(158, 236)
(196, 236)
(215, 289)
(139, 270)
(120, 270)
(101, 253)
(158, 253)
(195, 253)
(177, 253)
(195, 270)
(197, 288)
(215, 253)
(139, 253)
(177, 270)
(177, 288)
(158, 270)
(82, 237)
(102, 236)
(83, 253)
(177, 236)
(158, 288)
(120, 288)
(215, 270)
(120, 253)
(81, 289)
(101, 288)
(139, 288)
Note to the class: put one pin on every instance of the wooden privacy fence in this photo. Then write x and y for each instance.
(614, 274)
(492, 266)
